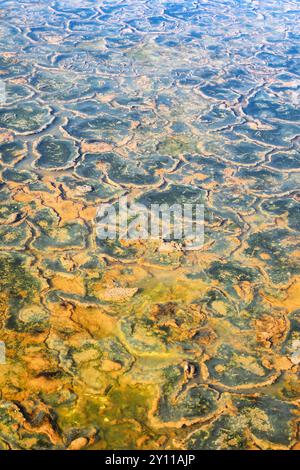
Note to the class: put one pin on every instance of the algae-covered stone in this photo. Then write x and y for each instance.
(33, 319)
(69, 236)
(137, 171)
(14, 236)
(20, 176)
(269, 419)
(103, 126)
(17, 432)
(55, 153)
(196, 403)
(26, 118)
(278, 244)
(180, 405)
(12, 152)
(234, 368)
(226, 433)
(18, 286)
(141, 338)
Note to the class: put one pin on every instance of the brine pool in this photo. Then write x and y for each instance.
(141, 344)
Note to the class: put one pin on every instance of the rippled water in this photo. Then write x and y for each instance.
(124, 345)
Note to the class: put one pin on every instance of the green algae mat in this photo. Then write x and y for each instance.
(142, 343)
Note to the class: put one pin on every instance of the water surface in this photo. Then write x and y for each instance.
(143, 345)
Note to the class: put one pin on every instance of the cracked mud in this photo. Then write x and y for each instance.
(141, 345)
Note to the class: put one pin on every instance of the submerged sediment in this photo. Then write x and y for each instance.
(143, 344)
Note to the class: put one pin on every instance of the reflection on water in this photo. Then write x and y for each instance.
(142, 344)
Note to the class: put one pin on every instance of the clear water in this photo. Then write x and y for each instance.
(143, 345)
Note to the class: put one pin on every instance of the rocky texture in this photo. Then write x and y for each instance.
(122, 344)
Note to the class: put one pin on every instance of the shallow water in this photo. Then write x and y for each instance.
(143, 345)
